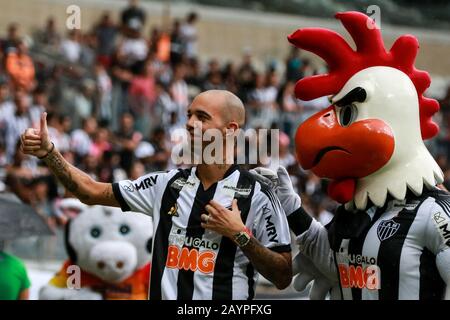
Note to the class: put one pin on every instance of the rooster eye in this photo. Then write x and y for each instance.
(347, 114)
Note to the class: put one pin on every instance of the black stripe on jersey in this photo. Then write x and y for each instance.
(250, 273)
(432, 287)
(282, 248)
(299, 221)
(185, 281)
(223, 271)
(161, 239)
(355, 247)
(389, 254)
(123, 204)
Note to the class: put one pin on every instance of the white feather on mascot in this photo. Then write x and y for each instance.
(112, 251)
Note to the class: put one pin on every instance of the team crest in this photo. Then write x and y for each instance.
(173, 211)
(386, 229)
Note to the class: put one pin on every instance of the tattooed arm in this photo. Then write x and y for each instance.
(37, 143)
(79, 183)
(275, 267)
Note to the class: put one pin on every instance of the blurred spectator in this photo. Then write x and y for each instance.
(106, 32)
(132, 50)
(41, 201)
(71, 46)
(294, 65)
(81, 139)
(188, 33)
(49, 36)
(101, 143)
(126, 140)
(88, 50)
(83, 101)
(133, 16)
(39, 105)
(179, 88)
(154, 153)
(19, 121)
(246, 76)
(12, 39)
(7, 107)
(58, 128)
(176, 43)
(104, 91)
(20, 67)
(142, 96)
(263, 101)
(290, 108)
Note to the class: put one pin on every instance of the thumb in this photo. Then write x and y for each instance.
(44, 129)
(283, 177)
(301, 281)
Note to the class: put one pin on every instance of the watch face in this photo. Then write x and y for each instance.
(242, 239)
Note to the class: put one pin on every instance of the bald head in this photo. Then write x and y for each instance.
(230, 106)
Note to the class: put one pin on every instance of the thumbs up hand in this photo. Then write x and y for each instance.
(37, 142)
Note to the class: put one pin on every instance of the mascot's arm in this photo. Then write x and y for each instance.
(312, 237)
(315, 260)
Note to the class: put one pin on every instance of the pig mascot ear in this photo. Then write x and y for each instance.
(69, 249)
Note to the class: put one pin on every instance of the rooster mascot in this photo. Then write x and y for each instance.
(390, 238)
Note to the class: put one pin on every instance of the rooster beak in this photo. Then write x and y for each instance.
(336, 152)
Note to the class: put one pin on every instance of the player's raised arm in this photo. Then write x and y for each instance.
(37, 143)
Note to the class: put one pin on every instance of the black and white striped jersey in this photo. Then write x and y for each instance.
(190, 262)
(400, 251)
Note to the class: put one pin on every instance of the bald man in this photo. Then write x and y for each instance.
(215, 226)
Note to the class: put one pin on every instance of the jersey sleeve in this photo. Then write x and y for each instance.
(437, 231)
(437, 237)
(270, 226)
(140, 195)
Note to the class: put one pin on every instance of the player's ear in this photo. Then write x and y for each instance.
(232, 128)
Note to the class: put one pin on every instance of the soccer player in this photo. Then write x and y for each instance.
(201, 249)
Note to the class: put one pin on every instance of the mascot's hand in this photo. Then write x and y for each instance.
(82, 294)
(266, 176)
(307, 272)
(281, 183)
(290, 200)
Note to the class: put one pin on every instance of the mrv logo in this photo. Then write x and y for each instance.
(146, 183)
(270, 226)
(441, 220)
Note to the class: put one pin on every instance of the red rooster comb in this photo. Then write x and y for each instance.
(343, 62)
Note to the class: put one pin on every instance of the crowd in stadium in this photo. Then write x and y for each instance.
(115, 94)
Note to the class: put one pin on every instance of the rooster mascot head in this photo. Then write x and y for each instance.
(369, 141)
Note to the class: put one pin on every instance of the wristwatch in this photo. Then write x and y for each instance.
(242, 238)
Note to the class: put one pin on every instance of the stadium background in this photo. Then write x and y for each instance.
(237, 45)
